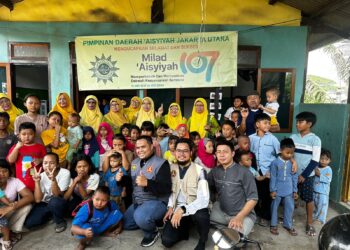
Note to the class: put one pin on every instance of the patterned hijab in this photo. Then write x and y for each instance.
(13, 112)
(142, 115)
(65, 112)
(89, 117)
(198, 121)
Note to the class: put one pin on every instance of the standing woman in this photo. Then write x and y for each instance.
(201, 121)
(135, 105)
(147, 113)
(64, 106)
(7, 106)
(174, 117)
(116, 117)
(90, 113)
(32, 103)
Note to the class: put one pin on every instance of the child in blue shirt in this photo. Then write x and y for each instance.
(103, 219)
(283, 186)
(307, 156)
(113, 178)
(323, 178)
(266, 147)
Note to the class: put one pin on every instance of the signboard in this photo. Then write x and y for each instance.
(151, 61)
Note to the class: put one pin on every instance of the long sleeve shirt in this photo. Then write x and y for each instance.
(266, 149)
(322, 183)
(282, 179)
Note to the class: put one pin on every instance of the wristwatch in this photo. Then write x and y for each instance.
(183, 209)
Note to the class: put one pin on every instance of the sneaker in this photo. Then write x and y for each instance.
(60, 227)
(147, 242)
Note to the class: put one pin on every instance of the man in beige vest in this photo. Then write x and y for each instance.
(189, 199)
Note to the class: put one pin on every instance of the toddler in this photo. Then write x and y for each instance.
(244, 159)
(272, 106)
(74, 136)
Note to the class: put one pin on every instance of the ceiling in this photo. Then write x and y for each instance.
(328, 20)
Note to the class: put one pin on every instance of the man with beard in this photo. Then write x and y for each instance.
(189, 199)
(151, 189)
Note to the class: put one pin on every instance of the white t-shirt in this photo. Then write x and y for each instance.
(13, 187)
(272, 105)
(62, 178)
(92, 183)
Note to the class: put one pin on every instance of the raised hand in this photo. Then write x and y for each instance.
(160, 110)
(36, 176)
(141, 180)
(51, 174)
(119, 175)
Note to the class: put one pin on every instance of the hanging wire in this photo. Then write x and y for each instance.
(133, 12)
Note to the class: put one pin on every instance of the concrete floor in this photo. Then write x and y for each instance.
(46, 238)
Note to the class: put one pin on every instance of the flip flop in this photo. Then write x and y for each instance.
(291, 231)
(274, 230)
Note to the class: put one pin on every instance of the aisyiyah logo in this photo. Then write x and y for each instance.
(197, 62)
(104, 69)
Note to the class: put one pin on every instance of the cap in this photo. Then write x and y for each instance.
(253, 92)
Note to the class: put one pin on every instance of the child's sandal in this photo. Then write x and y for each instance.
(291, 231)
(274, 230)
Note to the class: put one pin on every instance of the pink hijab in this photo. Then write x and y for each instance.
(109, 137)
(207, 159)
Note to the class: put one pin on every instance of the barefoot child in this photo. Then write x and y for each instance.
(98, 216)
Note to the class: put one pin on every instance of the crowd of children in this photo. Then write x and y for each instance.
(86, 169)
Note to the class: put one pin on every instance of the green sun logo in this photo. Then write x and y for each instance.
(104, 69)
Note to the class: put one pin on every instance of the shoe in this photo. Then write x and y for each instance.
(200, 246)
(60, 227)
(147, 242)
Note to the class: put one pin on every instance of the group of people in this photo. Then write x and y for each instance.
(135, 168)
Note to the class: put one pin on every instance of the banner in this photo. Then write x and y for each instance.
(151, 61)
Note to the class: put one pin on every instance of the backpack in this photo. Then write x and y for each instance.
(90, 208)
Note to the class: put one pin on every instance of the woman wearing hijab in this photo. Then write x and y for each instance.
(90, 114)
(147, 113)
(7, 106)
(64, 106)
(201, 121)
(174, 116)
(135, 105)
(116, 117)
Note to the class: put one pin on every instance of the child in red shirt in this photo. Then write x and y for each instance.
(26, 154)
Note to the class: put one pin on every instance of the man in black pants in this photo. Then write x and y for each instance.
(189, 199)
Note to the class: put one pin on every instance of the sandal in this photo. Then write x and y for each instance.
(6, 245)
(15, 237)
(274, 230)
(291, 231)
(310, 230)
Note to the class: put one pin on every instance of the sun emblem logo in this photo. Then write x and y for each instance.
(104, 69)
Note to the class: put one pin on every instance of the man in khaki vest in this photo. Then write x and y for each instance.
(189, 199)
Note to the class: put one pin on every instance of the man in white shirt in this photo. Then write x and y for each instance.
(189, 199)
(50, 186)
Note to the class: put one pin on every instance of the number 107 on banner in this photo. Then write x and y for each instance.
(197, 62)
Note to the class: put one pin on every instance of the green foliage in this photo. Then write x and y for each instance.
(316, 89)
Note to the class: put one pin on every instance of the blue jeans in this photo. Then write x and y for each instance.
(288, 209)
(145, 216)
(42, 212)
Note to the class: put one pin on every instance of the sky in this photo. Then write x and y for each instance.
(320, 64)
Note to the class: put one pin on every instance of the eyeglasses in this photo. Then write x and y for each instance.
(180, 151)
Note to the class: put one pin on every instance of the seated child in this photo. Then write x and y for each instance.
(272, 106)
(170, 154)
(97, 216)
(114, 179)
(237, 103)
(244, 159)
(50, 186)
(104, 139)
(283, 186)
(7, 140)
(90, 146)
(163, 132)
(75, 135)
(205, 154)
(322, 182)
(55, 137)
(125, 130)
(235, 118)
(26, 154)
